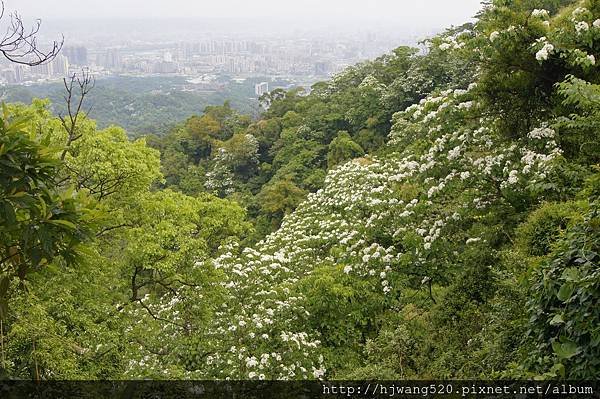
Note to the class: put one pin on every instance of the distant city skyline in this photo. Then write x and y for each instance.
(300, 42)
(415, 14)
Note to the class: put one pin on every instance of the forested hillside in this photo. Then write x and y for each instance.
(422, 216)
(141, 105)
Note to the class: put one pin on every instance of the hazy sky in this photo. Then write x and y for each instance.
(415, 12)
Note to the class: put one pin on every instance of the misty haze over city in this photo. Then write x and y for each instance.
(125, 25)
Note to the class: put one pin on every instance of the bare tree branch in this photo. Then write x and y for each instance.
(19, 45)
(77, 88)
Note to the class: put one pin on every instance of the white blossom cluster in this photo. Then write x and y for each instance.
(582, 26)
(220, 179)
(371, 82)
(451, 43)
(540, 13)
(583, 22)
(544, 52)
(579, 16)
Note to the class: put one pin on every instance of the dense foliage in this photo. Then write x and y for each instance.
(418, 216)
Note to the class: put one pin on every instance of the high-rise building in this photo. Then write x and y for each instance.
(45, 70)
(60, 65)
(112, 59)
(19, 73)
(165, 67)
(77, 55)
(261, 88)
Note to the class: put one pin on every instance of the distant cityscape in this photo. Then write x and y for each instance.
(210, 63)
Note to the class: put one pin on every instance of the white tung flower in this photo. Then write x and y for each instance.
(454, 153)
(541, 133)
(513, 177)
(582, 26)
(596, 23)
(318, 373)
(592, 59)
(465, 105)
(494, 35)
(545, 51)
(540, 13)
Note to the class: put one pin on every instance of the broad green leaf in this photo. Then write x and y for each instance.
(565, 292)
(565, 350)
(571, 274)
(557, 319)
